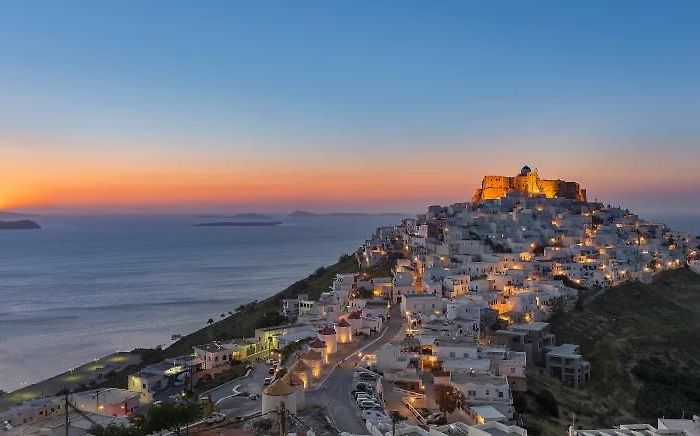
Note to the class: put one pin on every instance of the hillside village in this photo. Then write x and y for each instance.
(435, 332)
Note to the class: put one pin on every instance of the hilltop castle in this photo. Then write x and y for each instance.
(528, 183)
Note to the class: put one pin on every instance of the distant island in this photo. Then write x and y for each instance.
(305, 214)
(8, 214)
(239, 224)
(19, 225)
(247, 216)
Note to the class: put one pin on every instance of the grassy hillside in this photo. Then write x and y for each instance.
(643, 342)
(263, 313)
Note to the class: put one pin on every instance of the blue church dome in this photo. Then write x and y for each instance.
(525, 171)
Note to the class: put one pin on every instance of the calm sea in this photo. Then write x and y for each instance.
(82, 287)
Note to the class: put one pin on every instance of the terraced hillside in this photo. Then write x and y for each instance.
(643, 342)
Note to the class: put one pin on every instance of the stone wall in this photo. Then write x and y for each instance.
(495, 187)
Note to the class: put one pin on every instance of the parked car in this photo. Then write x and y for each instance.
(373, 414)
(215, 418)
(272, 371)
(369, 404)
(436, 418)
(272, 362)
(365, 391)
(267, 381)
(359, 400)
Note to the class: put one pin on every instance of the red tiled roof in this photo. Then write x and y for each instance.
(343, 323)
(327, 330)
(356, 315)
(317, 343)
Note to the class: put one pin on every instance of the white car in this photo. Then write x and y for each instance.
(215, 418)
(369, 404)
(359, 400)
(373, 414)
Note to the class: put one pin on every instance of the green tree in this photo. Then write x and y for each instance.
(365, 293)
(547, 402)
(115, 430)
(170, 416)
(447, 398)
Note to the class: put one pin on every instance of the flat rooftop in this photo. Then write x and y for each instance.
(110, 396)
(487, 412)
(565, 350)
(480, 379)
(483, 364)
(532, 326)
(416, 296)
(212, 347)
(281, 327)
(158, 368)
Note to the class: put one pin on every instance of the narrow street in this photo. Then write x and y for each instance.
(335, 394)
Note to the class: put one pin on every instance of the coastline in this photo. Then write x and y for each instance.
(137, 280)
(260, 314)
(116, 366)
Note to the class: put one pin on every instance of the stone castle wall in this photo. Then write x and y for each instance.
(529, 183)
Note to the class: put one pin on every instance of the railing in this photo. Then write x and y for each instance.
(415, 412)
(410, 393)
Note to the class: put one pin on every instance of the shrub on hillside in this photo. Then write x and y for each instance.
(547, 403)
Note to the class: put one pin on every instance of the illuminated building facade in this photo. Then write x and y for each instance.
(528, 183)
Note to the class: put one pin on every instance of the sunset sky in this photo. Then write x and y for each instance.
(347, 105)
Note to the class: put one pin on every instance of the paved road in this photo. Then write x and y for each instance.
(253, 384)
(335, 393)
(226, 400)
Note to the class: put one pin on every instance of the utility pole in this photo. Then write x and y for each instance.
(65, 410)
(283, 420)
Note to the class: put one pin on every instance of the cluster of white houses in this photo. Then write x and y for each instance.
(521, 256)
(459, 271)
(517, 260)
(347, 318)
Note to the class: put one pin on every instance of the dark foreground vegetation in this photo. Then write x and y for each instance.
(642, 342)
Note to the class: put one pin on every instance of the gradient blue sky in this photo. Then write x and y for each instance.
(351, 105)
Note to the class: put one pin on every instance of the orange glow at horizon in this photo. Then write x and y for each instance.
(161, 177)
